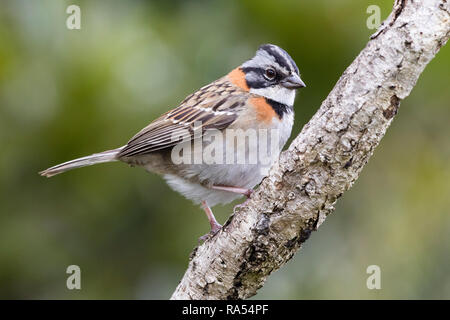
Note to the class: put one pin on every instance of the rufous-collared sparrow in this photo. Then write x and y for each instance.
(258, 95)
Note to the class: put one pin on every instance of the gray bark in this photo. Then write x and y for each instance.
(323, 161)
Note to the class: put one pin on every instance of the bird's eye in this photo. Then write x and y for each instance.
(270, 74)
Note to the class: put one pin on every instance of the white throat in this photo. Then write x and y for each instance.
(277, 93)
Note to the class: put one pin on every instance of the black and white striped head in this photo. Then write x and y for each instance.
(273, 74)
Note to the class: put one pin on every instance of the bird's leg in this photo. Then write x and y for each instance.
(215, 226)
(244, 191)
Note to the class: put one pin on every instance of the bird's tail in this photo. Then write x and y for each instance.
(105, 156)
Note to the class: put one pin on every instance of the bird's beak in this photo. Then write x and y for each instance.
(293, 82)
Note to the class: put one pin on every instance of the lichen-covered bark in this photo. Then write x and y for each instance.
(323, 161)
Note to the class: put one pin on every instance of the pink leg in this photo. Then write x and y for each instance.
(244, 191)
(215, 226)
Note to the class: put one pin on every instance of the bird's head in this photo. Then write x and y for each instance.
(273, 74)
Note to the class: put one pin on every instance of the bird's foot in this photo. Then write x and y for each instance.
(214, 229)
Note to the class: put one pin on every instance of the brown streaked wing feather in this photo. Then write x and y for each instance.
(216, 106)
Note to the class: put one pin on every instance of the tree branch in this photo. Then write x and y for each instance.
(324, 159)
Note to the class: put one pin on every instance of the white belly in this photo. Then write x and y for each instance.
(220, 175)
(244, 175)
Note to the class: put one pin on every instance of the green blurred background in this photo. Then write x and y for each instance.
(68, 93)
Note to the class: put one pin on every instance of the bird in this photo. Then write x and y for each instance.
(258, 95)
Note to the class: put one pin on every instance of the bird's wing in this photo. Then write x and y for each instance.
(215, 106)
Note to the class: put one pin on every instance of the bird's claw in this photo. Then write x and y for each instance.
(214, 229)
